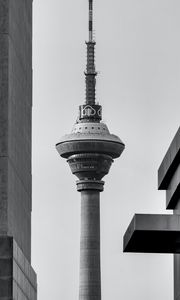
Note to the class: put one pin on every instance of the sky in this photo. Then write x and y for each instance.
(138, 85)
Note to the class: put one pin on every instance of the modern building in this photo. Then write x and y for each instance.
(17, 278)
(90, 150)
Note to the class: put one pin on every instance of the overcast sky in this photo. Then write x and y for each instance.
(138, 56)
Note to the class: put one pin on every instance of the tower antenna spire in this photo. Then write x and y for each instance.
(90, 111)
(90, 20)
(90, 67)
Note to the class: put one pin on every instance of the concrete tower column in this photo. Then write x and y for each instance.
(90, 270)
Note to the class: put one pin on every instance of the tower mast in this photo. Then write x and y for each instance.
(90, 150)
(90, 20)
(90, 67)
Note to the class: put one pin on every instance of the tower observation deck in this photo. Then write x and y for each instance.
(90, 150)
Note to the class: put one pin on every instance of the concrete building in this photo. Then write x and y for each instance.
(90, 150)
(17, 278)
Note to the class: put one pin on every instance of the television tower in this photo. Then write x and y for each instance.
(90, 150)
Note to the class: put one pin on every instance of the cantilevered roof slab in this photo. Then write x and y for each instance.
(153, 234)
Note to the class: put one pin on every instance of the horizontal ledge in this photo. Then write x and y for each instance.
(153, 234)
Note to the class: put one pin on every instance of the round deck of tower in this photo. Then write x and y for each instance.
(90, 138)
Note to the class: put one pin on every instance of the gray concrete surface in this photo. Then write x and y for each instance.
(15, 141)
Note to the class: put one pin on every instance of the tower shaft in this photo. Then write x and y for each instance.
(90, 269)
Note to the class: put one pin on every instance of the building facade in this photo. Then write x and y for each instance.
(17, 278)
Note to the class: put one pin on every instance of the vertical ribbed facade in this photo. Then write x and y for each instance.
(176, 262)
(15, 147)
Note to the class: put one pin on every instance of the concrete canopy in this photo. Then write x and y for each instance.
(153, 234)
